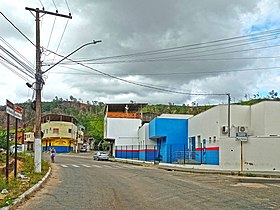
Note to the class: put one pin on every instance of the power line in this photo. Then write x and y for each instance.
(4, 61)
(27, 69)
(17, 52)
(144, 85)
(18, 29)
(181, 56)
(68, 7)
(41, 4)
(194, 46)
(55, 5)
(81, 72)
(61, 38)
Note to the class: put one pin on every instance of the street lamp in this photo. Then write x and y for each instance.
(84, 45)
(38, 112)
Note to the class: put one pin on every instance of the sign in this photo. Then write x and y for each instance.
(14, 110)
(241, 134)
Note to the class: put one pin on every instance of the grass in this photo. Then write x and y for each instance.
(17, 186)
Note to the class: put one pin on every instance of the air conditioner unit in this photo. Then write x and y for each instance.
(242, 129)
(224, 129)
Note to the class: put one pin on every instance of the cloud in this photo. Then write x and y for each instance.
(128, 27)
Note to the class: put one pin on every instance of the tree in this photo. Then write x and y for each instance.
(272, 94)
(3, 141)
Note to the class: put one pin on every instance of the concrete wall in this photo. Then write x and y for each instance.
(265, 118)
(124, 131)
(209, 124)
(259, 154)
(175, 116)
(143, 133)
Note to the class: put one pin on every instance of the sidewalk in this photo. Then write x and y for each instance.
(213, 169)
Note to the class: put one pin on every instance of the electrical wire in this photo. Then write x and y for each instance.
(195, 46)
(41, 4)
(4, 62)
(26, 69)
(61, 38)
(17, 52)
(18, 29)
(144, 85)
(68, 6)
(179, 56)
(55, 5)
(82, 72)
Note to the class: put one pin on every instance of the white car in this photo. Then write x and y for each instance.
(101, 156)
(20, 148)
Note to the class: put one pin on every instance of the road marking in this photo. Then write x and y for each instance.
(96, 166)
(86, 166)
(118, 167)
(76, 166)
(64, 166)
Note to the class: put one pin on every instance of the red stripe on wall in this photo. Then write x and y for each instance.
(141, 150)
(208, 148)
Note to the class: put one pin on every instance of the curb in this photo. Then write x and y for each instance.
(233, 173)
(29, 191)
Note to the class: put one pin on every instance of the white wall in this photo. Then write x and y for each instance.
(175, 116)
(259, 154)
(144, 136)
(265, 118)
(209, 124)
(123, 130)
(230, 154)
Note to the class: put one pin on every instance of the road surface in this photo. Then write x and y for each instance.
(79, 182)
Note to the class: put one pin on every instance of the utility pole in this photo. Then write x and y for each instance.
(228, 94)
(38, 87)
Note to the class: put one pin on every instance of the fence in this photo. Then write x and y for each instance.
(167, 153)
(137, 152)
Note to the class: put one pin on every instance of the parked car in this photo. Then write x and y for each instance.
(83, 149)
(101, 156)
(20, 148)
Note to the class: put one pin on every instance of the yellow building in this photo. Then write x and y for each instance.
(61, 132)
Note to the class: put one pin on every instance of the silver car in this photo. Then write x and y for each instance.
(101, 156)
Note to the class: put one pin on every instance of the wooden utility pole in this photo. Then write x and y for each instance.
(39, 85)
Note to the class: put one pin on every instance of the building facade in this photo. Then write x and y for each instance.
(250, 143)
(60, 132)
(29, 141)
(121, 124)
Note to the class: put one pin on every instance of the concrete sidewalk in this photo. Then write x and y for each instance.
(213, 169)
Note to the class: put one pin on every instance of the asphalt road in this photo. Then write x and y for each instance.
(82, 183)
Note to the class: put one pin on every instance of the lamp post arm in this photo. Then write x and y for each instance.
(84, 45)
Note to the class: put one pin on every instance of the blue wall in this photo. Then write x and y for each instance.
(58, 149)
(170, 134)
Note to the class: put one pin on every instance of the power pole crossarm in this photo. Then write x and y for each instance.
(49, 13)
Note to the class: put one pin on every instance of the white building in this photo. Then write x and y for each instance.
(254, 136)
(121, 124)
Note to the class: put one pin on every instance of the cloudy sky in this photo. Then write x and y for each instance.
(155, 51)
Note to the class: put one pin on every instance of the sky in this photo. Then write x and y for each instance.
(152, 51)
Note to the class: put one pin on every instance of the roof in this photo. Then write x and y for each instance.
(59, 117)
(131, 107)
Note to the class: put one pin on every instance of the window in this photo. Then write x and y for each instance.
(214, 139)
(69, 130)
(56, 130)
(198, 142)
